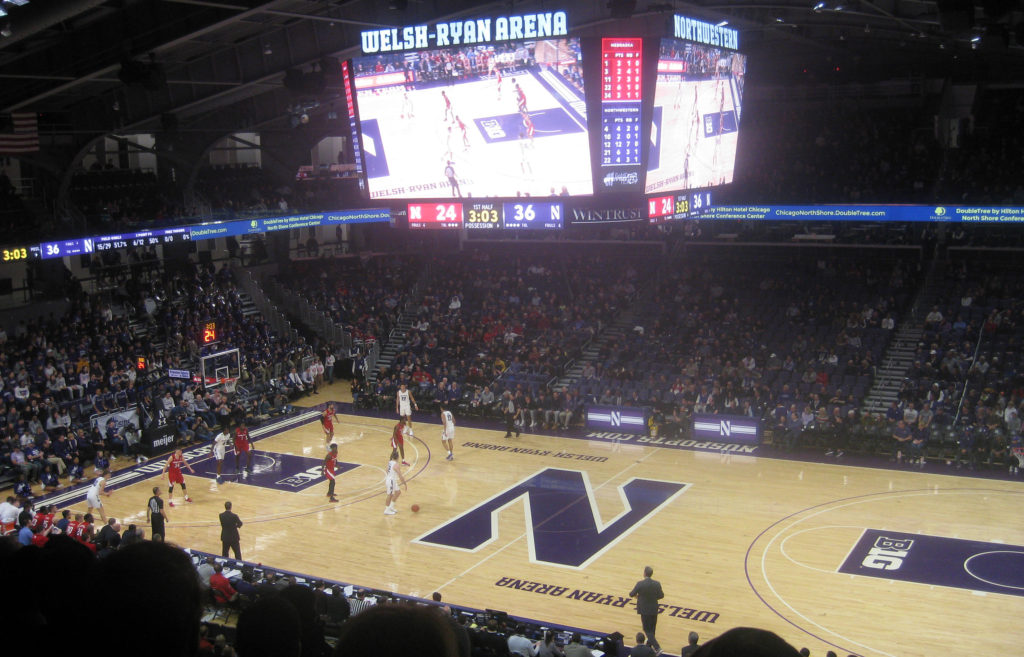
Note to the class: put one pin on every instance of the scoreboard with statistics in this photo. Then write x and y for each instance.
(675, 207)
(483, 107)
(476, 216)
(435, 215)
(621, 105)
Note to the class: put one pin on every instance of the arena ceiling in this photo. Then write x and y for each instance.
(98, 66)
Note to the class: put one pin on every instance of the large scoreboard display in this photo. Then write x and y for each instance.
(498, 108)
(698, 101)
(621, 111)
(482, 216)
(501, 112)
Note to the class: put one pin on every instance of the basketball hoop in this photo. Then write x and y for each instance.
(227, 384)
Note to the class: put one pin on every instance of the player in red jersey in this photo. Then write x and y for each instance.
(403, 428)
(174, 475)
(83, 532)
(448, 111)
(44, 519)
(327, 422)
(465, 135)
(243, 445)
(528, 126)
(73, 525)
(330, 464)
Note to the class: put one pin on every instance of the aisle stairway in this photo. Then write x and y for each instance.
(899, 355)
(592, 352)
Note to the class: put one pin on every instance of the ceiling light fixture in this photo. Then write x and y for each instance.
(267, 50)
(6, 30)
(20, 3)
(722, 23)
(3, 12)
(819, 7)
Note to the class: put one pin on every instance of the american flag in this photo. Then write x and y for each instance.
(19, 133)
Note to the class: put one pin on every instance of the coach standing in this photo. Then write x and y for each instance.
(647, 593)
(229, 524)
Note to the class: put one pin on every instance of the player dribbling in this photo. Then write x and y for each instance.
(392, 478)
(447, 430)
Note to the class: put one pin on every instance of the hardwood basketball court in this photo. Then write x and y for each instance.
(929, 561)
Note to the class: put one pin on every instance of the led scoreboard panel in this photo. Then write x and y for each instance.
(661, 209)
(207, 231)
(435, 215)
(119, 241)
(514, 215)
(16, 253)
(482, 107)
(522, 214)
(483, 216)
(353, 124)
(621, 101)
(698, 101)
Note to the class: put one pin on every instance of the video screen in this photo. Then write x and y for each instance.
(698, 101)
(505, 120)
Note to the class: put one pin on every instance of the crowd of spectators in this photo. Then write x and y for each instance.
(143, 582)
(365, 295)
(843, 152)
(960, 400)
(795, 344)
(113, 198)
(242, 188)
(485, 323)
(982, 170)
(768, 340)
(849, 150)
(59, 373)
(451, 66)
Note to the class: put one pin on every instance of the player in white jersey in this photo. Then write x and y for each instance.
(220, 448)
(405, 403)
(393, 479)
(525, 147)
(92, 497)
(406, 105)
(447, 430)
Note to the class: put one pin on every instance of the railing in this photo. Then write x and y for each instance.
(319, 321)
(270, 312)
(967, 375)
(372, 354)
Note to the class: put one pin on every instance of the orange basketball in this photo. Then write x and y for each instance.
(415, 508)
